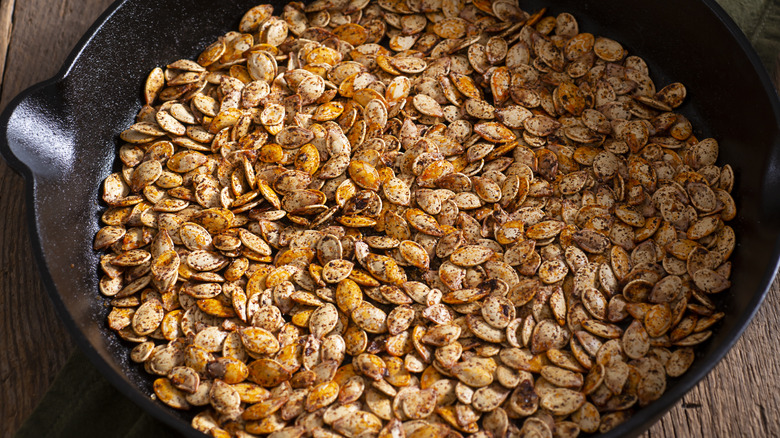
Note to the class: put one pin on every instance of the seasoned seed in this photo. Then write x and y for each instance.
(489, 398)
(441, 335)
(562, 401)
(472, 373)
(259, 340)
(470, 255)
(169, 394)
(323, 320)
(336, 270)
(636, 341)
(546, 335)
(481, 329)
(294, 201)
(414, 254)
(148, 317)
(409, 65)
(498, 311)
(427, 105)
(370, 318)
(679, 362)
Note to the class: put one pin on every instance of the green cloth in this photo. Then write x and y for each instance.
(82, 403)
(760, 20)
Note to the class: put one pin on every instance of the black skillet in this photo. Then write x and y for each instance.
(61, 135)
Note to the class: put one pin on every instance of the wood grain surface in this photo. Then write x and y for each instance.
(36, 37)
(740, 398)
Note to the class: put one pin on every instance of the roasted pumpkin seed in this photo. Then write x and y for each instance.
(339, 234)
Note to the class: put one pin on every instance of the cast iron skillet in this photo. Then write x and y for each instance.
(61, 136)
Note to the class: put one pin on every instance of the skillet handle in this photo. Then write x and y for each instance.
(34, 139)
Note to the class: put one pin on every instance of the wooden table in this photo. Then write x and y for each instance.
(741, 397)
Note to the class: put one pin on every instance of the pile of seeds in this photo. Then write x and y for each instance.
(413, 218)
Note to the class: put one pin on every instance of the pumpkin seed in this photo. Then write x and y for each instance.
(272, 216)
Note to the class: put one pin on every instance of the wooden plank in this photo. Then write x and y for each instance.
(40, 46)
(34, 342)
(6, 26)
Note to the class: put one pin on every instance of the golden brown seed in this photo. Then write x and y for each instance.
(169, 394)
(354, 225)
